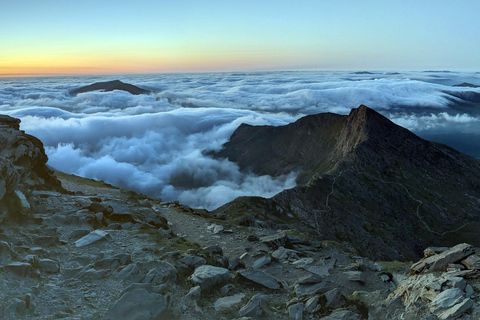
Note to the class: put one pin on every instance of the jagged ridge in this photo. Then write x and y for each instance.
(385, 191)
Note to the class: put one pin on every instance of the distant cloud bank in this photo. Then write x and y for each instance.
(155, 144)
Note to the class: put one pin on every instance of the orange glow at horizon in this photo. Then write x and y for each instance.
(135, 63)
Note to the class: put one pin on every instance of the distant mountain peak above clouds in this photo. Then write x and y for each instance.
(110, 86)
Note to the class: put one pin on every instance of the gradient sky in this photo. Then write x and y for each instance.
(52, 37)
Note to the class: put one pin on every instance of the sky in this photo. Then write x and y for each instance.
(57, 37)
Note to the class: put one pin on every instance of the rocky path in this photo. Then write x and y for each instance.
(106, 253)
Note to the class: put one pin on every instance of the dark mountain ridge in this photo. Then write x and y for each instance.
(364, 181)
(110, 86)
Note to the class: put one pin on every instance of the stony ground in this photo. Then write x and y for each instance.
(105, 253)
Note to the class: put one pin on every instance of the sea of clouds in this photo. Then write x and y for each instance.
(156, 144)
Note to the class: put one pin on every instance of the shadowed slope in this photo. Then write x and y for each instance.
(385, 191)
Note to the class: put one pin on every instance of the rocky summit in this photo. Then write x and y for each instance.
(75, 248)
(110, 86)
(363, 180)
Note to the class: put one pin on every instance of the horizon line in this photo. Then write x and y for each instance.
(59, 75)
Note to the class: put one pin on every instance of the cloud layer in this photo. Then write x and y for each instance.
(156, 144)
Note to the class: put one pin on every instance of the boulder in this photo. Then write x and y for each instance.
(208, 276)
(261, 262)
(472, 262)
(261, 278)
(295, 311)
(442, 260)
(311, 304)
(456, 311)
(191, 261)
(302, 290)
(253, 308)
(162, 273)
(194, 293)
(138, 304)
(48, 265)
(277, 240)
(130, 273)
(226, 303)
(334, 298)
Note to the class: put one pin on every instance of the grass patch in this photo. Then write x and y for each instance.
(83, 181)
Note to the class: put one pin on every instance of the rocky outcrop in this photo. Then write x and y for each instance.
(442, 291)
(371, 183)
(23, 169)
(110, 86)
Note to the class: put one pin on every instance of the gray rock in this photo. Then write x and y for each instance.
(334, 298)
(472, 262)
(6, 253)
(447, 299)
(16, 309)
(309, 289)
(194, 293)
(32, 259)
(90, 238)
(355, 276)
(260, 277)
(23, 200)
(207, 276)
(455, 282)
(192, 261)
(295, 311)
(226, 303)
(92, 274)
(130, 273)
(441, 260)
(310, 279)
(277, 240)
(280, 254)
(228, 289)
(261, 262)
(20, 268)
(322, 271)
(235, 263)
(456, 311)
(138, 304)
(342, 315)
(253, 308)
(311, 304)
(214, 249)
(162, 273)
(113, 262)
(48, 265)
(78, 233)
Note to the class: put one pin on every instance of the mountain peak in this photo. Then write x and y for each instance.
(110, 86)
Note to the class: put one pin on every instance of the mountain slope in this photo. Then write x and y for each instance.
(385, 191)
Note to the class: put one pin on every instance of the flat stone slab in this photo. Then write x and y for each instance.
(90, 238)
(260, 277)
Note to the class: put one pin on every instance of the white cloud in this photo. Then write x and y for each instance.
(148, 142)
